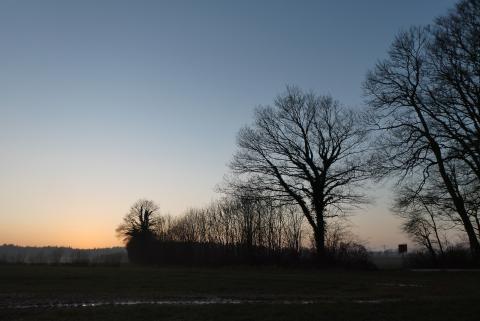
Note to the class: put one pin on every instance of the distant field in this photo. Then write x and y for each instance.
(256, 293)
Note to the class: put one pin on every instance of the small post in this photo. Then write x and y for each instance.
(402, 249)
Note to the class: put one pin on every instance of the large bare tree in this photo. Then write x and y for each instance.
(426, 98)
(305, 149)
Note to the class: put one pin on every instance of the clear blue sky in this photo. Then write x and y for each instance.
(104, 102)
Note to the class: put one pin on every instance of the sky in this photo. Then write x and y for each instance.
(105, 102)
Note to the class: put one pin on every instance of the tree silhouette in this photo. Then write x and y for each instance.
(139, 230)
(426, 217)
(305, 149)
(143, 219)
(425, 97)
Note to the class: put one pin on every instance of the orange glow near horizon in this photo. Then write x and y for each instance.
(375, 227)
(77, 235)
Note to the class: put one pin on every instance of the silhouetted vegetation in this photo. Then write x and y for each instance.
(234, 230)
(305, 150)
(303, 161)
(139, 229)
(425, 100)
(452, 257)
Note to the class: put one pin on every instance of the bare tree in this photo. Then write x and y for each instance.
(223, 210)
(143, 220)
(425, 97)
(454, 82)
(189, 228)
(293, 227)
(426, 218)
(306, 149)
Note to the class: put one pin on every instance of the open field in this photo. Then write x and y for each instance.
(37, 293)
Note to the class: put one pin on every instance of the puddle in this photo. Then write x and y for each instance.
(401, 285)
(376, 301)
(91, 304)
(162, 302)
(128, 302)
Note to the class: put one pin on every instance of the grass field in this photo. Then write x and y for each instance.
(261, 294)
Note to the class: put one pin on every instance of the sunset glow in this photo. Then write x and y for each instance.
(103, 103)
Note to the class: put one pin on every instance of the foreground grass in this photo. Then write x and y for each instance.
(400, 295)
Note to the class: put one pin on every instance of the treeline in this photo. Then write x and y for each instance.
(234, 230)
(13, 254)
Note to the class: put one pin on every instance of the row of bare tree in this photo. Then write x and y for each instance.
(234, 229)
(251, 222)
(248, 221)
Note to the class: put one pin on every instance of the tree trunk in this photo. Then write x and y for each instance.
(320, 245)
(431, 249)
(319, 233)
(457, 199)
(459, 203)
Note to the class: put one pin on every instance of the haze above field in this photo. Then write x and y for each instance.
(102, 103)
